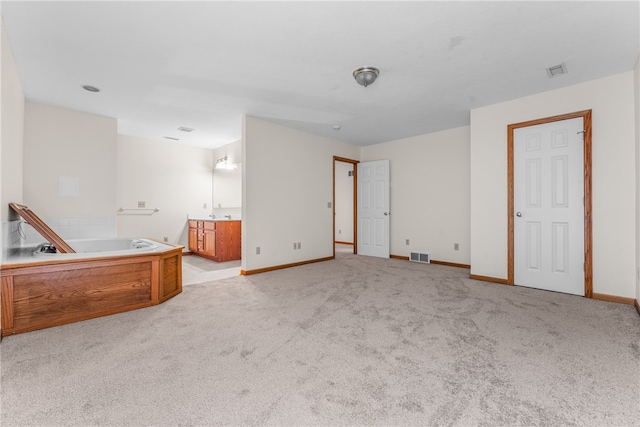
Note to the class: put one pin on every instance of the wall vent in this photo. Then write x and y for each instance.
(422, 257)
(557, 70)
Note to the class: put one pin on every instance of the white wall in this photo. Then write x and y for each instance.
(344, 202)
(429, 193)
(174, 178)
(11, 133)
(636, 76)
(287, 184)
(613, 177)
(59, 142)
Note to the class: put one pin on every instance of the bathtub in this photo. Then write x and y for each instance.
(99, 247)
(42, 288)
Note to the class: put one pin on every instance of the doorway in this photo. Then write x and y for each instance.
(345, 194)
(542, 249)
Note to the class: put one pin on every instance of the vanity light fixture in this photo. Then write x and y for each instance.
(223, 163)
(366, 75)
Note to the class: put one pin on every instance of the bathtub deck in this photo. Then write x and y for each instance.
(48, 293)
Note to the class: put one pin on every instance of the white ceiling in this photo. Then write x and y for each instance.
(204, 64)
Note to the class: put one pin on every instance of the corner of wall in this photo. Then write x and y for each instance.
(636, 81)
(12, 106)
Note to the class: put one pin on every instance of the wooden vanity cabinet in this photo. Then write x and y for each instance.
(193, 236)
(228, 240)
(209, 239)
(216, 240)
(202, 238)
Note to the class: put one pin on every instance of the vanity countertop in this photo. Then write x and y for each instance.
(214, 219)
(209, 218)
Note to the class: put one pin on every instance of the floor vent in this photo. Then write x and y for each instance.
(422, 257)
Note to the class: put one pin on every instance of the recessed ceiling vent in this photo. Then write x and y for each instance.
(557, 70)
(185, 129)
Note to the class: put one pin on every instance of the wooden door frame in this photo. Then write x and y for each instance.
(588, 236)
(355, 201)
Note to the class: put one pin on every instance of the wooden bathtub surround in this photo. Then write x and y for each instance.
(216, 240)
(48, 293)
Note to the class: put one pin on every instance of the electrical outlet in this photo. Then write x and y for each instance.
(339, 231)
(257, 250)
(456, 246)
(299, 245)
(295, 246)
(406, 242)
(166, 239)
(141, 204)
(204, 206)
(329, 204)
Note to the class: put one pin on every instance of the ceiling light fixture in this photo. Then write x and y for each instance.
(90, 88)
(366, 75)
(336, 128)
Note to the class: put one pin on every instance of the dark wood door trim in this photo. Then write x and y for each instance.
(588, 236)
(355, 202)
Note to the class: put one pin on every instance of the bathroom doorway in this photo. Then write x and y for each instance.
(344, 204)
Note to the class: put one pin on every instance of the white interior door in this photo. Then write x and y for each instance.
(548, 205)
(373, 208)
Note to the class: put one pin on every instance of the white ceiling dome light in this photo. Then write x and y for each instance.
(366, 75)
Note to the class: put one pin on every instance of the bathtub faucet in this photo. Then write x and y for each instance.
(212, 215)
(228, 216)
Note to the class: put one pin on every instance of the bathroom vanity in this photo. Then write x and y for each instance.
(215, 239)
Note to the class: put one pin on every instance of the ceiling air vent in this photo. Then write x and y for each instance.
(185, 129)
(557, 70)
(171, 138)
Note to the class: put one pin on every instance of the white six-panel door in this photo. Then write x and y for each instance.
(548, 205)
(373, 208)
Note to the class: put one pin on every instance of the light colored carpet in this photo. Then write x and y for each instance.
(353, 341)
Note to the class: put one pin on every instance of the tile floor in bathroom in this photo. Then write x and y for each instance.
(196, 269)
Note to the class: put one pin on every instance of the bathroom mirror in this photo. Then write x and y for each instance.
(227, 187)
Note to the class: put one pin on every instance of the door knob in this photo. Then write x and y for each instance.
(386, 213)
(518, 214)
